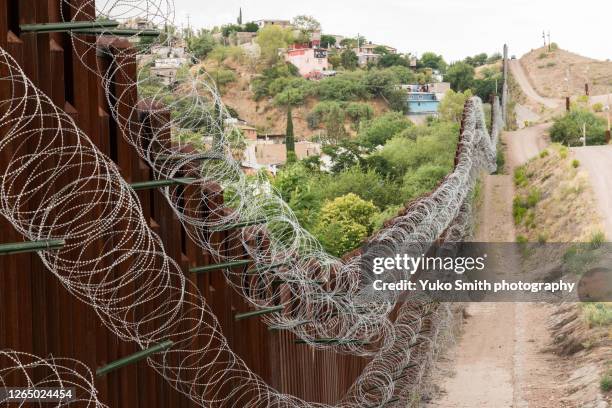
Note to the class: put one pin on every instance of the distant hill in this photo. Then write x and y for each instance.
(548, 71)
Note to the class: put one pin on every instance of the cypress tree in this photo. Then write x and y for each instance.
(290, 138)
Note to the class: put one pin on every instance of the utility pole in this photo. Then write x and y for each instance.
(549, 43)
(544, 38)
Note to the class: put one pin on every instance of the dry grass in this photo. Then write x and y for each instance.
(548, 72)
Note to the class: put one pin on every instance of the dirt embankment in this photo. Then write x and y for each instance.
(557, 198)
(548, 72)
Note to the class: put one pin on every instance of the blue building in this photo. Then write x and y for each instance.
(425, 103)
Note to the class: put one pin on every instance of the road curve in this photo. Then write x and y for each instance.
(521, 78)
(596, 161)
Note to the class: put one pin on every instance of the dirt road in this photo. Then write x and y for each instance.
(523, 80)
(498, 362)
(597, 161)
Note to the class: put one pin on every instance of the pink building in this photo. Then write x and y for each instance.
(311, 62)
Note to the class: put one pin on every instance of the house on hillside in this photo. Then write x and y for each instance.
(310, 60)
(366, 55)
(270, 156)
(424, 99)
(269, 22)
(166, 69)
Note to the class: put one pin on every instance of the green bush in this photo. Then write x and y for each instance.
(544, 154)
(605, 384)
(520, 177)
(568, 128)
(598, 107)
(575, 164)
(597, 314)
(378, 131)
(358, 111)
(597, 239)
(522, 240)
(344, 223)
(422, 181)
(223, 77)
(343, 87)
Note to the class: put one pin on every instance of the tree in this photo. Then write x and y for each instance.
(251, 27)
(433, 61)
(422, 181)
(349, 59)
(335, 60)
(200, 46)
(228, 29)
(451, 107)
(460, 75)
(377, 132)
(270, 39)
(490, 83)
(290, 138)
(477, 60)
(344, 223)
(568, 128)
(328, 41)
(306, 23)
(380, 50)
(350, 43)
(390, 60)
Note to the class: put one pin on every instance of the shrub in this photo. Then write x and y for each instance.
(521, 239)
(544, 154)
(344, 223)
(519, 210)
(533, 198)
(223, 77)
(597, 239)
(598, 107)
(378, 131)
(422, 181)
(568, 128)
(605, 384)
(358, 111)
(597, 314)
(575, 164)
(520, 177)
(343, 87)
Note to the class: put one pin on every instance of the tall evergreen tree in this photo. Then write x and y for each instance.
(290, 138)
(240, 17)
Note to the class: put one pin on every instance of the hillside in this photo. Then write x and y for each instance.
(548, 72)
(263, 114)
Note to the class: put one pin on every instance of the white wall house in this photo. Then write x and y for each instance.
(309, 61)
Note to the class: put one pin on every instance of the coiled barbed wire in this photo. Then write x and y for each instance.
(285, 242)
(330, 311)
(32, 372)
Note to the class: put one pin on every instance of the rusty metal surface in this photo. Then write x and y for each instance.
(39, 316)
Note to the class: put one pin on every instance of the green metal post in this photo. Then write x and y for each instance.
(145, 185)
(20, 247)
(261, 312)
(141, 355)
(226, 265)
(67, 26)
(238, 225)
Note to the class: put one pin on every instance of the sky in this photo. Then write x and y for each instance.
(453, 28)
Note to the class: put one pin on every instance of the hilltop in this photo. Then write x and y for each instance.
(548, 72)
